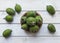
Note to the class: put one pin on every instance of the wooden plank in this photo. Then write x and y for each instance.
(43, 39)
(29, 4)
(12, 40)
(18, 32)
(30, 40)
(47, 18)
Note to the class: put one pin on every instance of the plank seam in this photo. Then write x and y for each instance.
(28, 10)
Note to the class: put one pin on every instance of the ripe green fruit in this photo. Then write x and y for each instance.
(34, 29)
(31, 13)
(10, 11)
(31, 21)
(7, 33)
(18, 8)
(9, 18)
(51, 9)
(38, 19)
(24, 26)
(23, 19)
(51, 28)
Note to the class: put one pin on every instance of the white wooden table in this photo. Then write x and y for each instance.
(18, 35)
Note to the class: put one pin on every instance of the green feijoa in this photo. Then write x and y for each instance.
(31, 13)
(24, 26)
(7, 33)
(10, 11)
(51, 28)
(50, 9)
(9, 18)
(18, 8)
(38, 19)
(34, 29)
(31, 21)
(23, 19)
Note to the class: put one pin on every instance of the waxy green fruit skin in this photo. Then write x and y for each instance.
(23, 19)
(10, 11)
(24, 27)
(7, 33)
(34, 29)
(31, 21)
(38, 19)
(31, 13)
(51, 28)
(18, 8)
(9, 18)
(50, 9)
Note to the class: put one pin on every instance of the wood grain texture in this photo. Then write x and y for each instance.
(18, 32)
(29, 4)
(47, 18)
(30, 40)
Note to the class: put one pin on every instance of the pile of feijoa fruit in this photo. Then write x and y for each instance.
(31, 21)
